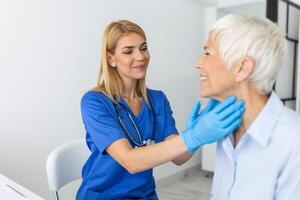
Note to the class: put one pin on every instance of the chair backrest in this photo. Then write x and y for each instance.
(64, 163)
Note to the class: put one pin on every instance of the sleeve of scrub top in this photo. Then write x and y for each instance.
(170, 127)
(99, 122)
(288, 184)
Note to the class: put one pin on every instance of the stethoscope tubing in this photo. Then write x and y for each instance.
(141, 142)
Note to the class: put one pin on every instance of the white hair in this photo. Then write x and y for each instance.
(240, 35)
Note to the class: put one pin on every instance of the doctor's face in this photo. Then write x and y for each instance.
(131, 56)
(217, 80)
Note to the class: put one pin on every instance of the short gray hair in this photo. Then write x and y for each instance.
(241, 35)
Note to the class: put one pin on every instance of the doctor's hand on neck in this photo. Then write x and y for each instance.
(213, 123)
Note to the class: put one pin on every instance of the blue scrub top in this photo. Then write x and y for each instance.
(103, 177)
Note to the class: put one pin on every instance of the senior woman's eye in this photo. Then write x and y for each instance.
(206, 53)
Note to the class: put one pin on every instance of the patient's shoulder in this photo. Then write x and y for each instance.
(291, 117)
(289, 123)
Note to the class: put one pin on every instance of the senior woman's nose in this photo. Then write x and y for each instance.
(198, 64)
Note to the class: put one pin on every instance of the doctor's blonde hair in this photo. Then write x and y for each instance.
(109, 81)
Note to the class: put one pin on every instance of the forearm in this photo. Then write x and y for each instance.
(183, 158)
(143, 158)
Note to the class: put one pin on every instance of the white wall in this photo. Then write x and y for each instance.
(228, 3)
(255, 8)
(49, 53)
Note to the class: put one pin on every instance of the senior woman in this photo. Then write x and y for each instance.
(260, 160)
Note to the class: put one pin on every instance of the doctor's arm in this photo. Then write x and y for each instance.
(136, 160)
(212, 126)
(191, 122)
(182, 158)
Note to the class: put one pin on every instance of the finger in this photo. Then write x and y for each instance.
(231, 109)
(233, 126)
(195, 110)
(212, 103)
(233, 117)
(224, 104)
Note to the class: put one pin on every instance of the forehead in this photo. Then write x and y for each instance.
(212, 42)
(130, 39)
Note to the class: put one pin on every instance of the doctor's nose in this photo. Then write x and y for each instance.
(139, 55)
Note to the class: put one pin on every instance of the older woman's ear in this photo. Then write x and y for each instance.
(245, 68)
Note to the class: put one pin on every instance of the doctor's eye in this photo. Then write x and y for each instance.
(127, 52)
(206, 53)
(144, 48)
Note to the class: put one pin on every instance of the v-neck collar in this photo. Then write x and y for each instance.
(123, 102)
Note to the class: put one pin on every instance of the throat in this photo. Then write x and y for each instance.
(135, 104)
(238, 134)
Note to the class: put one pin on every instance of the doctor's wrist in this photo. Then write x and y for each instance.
(189, 141)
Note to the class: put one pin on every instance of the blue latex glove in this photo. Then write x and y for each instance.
(215, 124)
(195, 115)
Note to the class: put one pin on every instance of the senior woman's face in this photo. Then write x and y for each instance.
(216, 79)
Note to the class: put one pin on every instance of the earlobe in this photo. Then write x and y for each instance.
(245, 69)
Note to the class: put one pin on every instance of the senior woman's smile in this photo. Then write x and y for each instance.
(216, 79)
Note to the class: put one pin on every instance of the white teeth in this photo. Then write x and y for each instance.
(203, 78)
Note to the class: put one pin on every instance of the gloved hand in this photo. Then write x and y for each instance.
(195, 115)
(214, 125)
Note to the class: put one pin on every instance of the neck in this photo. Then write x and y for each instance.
(129, 89)
(254, 103)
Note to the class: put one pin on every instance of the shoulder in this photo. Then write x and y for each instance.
(96, 97)
(159, 101)
(288, 127)
(290, 133)
(94, 100)
(290, 120)
(156, 95)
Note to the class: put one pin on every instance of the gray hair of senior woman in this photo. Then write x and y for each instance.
(241, 35)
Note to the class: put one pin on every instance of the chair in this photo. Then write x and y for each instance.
(64, 164)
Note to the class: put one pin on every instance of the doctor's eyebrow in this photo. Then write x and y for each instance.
(131, 47)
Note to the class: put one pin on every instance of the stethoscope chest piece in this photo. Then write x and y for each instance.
(146, 143)
(140, 142)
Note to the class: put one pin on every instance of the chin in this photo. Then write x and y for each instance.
(210, 94)
(205, 92)
(140, 76)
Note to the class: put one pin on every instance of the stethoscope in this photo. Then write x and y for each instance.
(140, 141)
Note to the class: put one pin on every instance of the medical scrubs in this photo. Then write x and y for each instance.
(103, 177)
